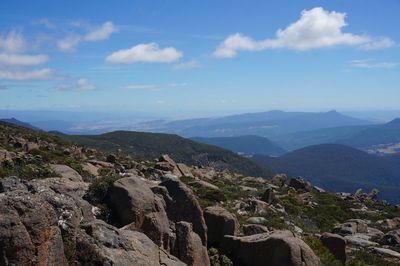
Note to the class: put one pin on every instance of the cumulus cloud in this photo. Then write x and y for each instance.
(14, 42)
(187, 65)
(69, 43)
(369, 64)
(316, 28)
(145, 53)
(45, 73)
(82, 84)
(101, 33)
(22, 60)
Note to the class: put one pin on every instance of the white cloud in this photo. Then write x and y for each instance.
(14, 42)
(378, 43)
(369, 64)
(82, 84)
(45, 73)
(22, 60)
(316, 28)
(101, 33)
(188, 65)
(146, 53)
(69, 43)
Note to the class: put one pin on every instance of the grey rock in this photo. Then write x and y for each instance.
(276, 248)
(219, 222)
(336, 245)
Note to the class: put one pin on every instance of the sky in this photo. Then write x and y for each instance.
(192, 58)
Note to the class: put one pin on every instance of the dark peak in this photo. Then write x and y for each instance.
(395, 121)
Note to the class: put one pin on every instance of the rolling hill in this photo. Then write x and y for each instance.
(388, 133)
(18, 123)
(338, 167)
(151, 145)
(244, 144)
(301, 139)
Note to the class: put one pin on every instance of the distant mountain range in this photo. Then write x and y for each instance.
(246, 145)
(149, 146)
(376, 135)
(266, 124)
(338, 167)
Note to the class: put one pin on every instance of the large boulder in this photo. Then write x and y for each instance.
(188, 246)
(392, 238)
(279, 180)
(254, 229)
(182, 205)
(29, 233)
(66, 172)
(269, 196)
(102, 244)
(276, 248)
(219, 222)
(351, 227)
(165, 163)
(135, 206)
(336, 245)
(299, 183)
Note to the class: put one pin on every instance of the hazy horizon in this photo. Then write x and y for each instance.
(194, 59)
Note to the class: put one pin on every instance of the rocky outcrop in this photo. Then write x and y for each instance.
(165, 163)
(254, 229)
(182, 205)
(299, 183)
(269, 196)
(279, 180)
(189, 247)
(135, 206)
(392, 238)
(277, 248)
(336, 245)
(29, 233)
(102, 244)
(351, 227)
(219, 222)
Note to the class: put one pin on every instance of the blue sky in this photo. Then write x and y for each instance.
(192, 58)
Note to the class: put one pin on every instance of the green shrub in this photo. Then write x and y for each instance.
(321, 251)
(217, 259)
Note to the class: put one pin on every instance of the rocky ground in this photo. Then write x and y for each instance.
(62, 204)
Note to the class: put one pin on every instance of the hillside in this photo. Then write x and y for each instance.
(339, 168)
(301, 139)
(151, 145)
(82, 207)
(244, 144)
(267, 124)
(18, 123)
(381, 134)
